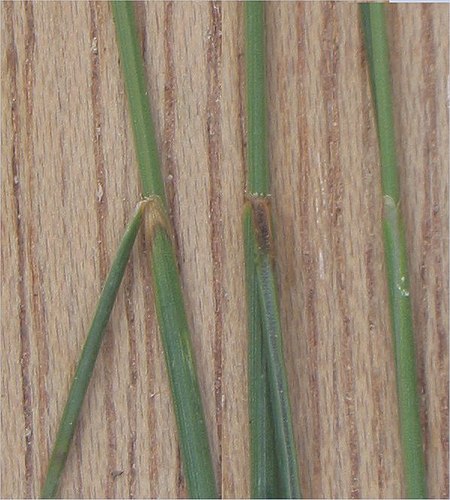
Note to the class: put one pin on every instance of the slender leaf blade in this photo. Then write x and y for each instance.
(88, 357)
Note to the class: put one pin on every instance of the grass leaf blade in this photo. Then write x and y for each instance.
(279, 391)
(88, 357)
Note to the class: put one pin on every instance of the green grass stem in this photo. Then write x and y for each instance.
(137, 92)
(274, 468)
(174, 330)
(377, 48)
(88, 357)
(258, 179)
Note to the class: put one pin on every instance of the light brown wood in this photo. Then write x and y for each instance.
(70, 184)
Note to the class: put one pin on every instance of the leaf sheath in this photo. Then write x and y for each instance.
(288, 480)
(262, 445)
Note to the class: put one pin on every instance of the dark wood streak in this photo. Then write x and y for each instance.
(330, 63)
(214, 141)
(25, 343)
(433, 236)
(312, 331)
(39, 322)
(38, 307)
(242, 119)
(170, 101)
(38, 302)
(140, 11)
(426, 236)
(101, 212)
(378, 430)
(368, 136)
(96, 102)
(133, 375)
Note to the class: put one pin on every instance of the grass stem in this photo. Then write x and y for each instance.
(136, 87)
(88, 357)
(274, 469)
(258, 181)
(377, 48)
(174, 330)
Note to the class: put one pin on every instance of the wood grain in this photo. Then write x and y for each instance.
(70, 184)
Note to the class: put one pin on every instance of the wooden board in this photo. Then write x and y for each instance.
(70, 184)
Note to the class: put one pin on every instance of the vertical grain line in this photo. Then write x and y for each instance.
(311, 276)
(25, 343)
(30, 41)
(96, 102)
(170, 104)
(434, 229)
(133, 375)
(377, 424)
(38, 304)
(213, 125)
(38, 307)
(39, 323)
(373, 321)
(335, 188)
(140, 9)
(101, 213)
(241, 89)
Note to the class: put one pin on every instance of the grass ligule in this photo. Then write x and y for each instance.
(274, 469)
(374, 27)
(174, 330)
(88, 357)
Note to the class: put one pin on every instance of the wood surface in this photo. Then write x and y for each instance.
(70, 184)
